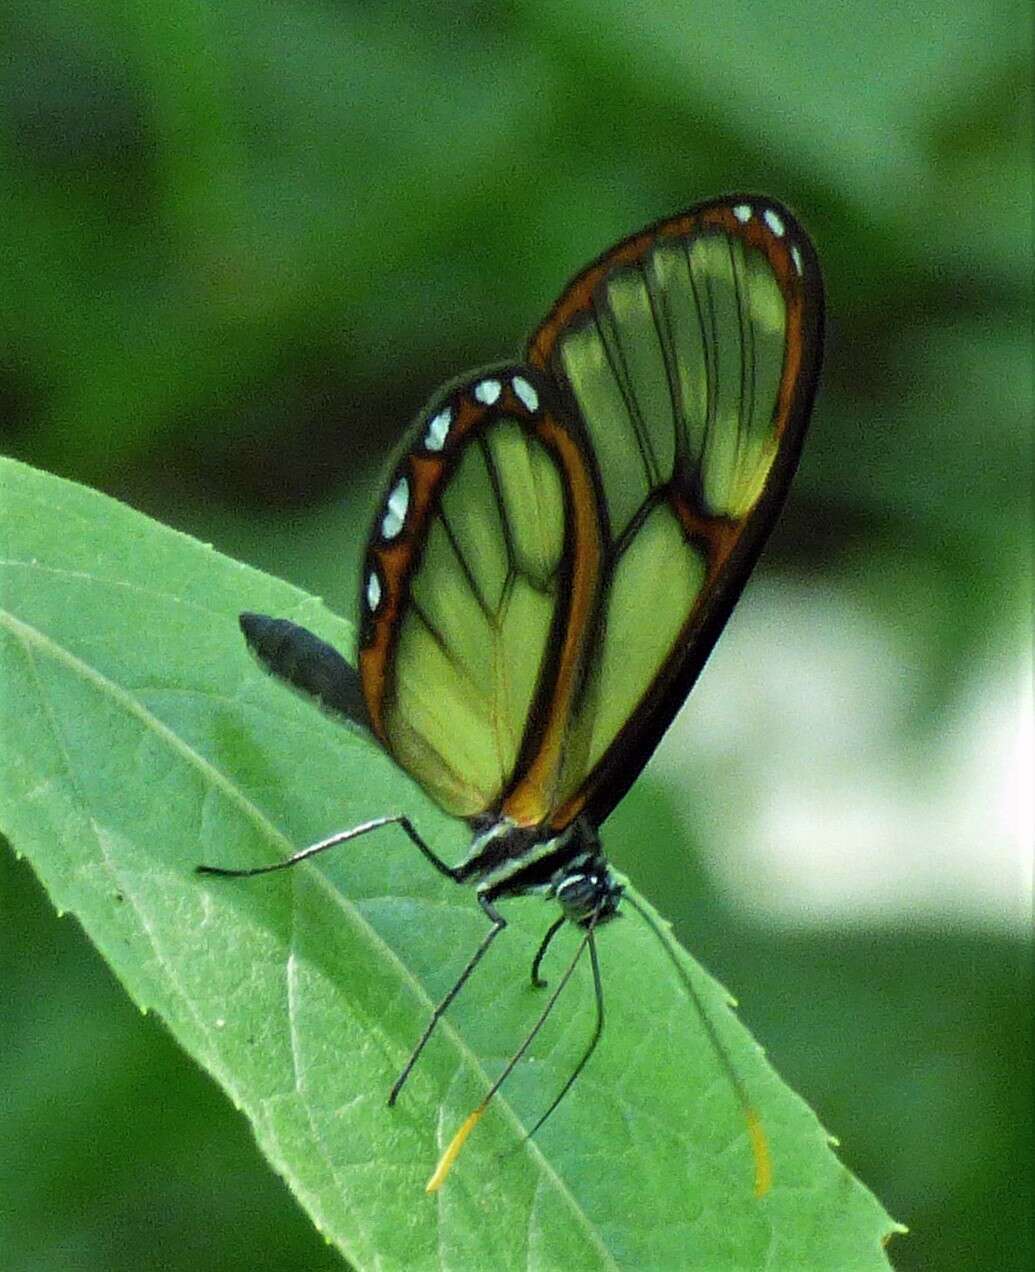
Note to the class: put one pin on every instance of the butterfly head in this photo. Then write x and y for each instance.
(588, 893)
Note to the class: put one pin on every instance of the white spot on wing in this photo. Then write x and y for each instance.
(796, 258)
(373, 592)
(774, 222)
(526, 392)
(743, 213)
(395, 514)
(438, 428)
(487, 391)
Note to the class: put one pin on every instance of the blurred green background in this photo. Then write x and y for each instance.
(242, 242)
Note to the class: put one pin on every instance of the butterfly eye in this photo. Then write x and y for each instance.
(576, 895)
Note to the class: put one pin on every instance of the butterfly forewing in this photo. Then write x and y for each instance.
(689, 355)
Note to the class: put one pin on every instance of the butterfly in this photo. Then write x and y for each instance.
(555, 554)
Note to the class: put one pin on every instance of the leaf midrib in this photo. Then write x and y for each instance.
(33, 637)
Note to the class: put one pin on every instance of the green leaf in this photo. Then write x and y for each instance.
(140, 740)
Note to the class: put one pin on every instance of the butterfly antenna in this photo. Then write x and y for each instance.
(756, 1133)
(445, 1162)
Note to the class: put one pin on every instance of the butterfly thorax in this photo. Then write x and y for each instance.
(507, 860)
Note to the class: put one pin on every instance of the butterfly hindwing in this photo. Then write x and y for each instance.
(480, 570)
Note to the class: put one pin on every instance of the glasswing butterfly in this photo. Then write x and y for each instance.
(556, 553)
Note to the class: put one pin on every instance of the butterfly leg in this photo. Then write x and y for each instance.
(544, 945)
(342, 837)
(598, 1028)
(498, 924)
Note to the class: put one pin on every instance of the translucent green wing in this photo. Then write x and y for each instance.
(472, 640)
(558, 549)
(689, 355)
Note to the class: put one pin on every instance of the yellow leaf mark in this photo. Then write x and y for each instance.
(445, 1162)
(759, 1149)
